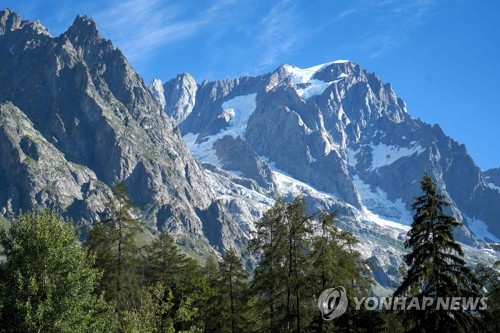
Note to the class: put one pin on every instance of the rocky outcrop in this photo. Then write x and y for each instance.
(87, 122)
(156, 88)
(341, 130)
(180, 97)
(492, 176)
(236, 154)
(34, 174)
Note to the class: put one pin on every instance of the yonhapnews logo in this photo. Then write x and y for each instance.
(333, 303)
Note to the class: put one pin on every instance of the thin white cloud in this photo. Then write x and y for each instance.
(279, 32)
(414, 11)
(400, 18)
(344, 14)
(139, 27)
(377, 45)
(261, 38)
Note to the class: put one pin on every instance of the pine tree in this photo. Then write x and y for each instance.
(269, 243)
(113, 242)
(490, 285)
(212, 304)
(184, 284)
(299, 230)
(281, 282)
(164, 261)
(436, 267)
(231, 296)
(47, 282)
(211, 270)
(336, 263)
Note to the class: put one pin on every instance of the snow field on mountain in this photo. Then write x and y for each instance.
(289, 186)
(480, 229)
(251, 204)
(240, 108)
(303, 75)
(494, 187)
(383, 155)
(236, 112)
(390, 214)
(204, 151)
(300, 76)
(311, 87)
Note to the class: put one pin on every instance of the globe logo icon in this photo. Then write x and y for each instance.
(332, 303)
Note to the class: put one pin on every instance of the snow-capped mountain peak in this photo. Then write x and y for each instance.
(309, 86)
(355, 140)
(304, 75)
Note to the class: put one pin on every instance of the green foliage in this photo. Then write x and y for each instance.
(336, 263)
(182, 277)
(148, 317)
(155, 288)
(164, 262)
(47, 282)
(490, 284)
(228, 307)
(298, 229)
(297, 264)
(436, 267)
(283, 240)
(113, 242)
(4, 223)
(267, 285)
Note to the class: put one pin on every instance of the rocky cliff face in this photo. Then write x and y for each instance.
(342, 131)
(340, 136)
(34, 173)
(492, 177)
(76, 119)
(181, 97)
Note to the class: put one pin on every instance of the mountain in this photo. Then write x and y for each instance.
(340, 131)
(492, 177)
(75, 119)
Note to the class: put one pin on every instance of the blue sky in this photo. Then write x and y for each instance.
(441, 56)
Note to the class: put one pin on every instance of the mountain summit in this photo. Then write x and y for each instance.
(76, 119)
(342, 131)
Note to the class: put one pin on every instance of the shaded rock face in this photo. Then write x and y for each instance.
(33, 173)
(341, 130)
(77, 119)
(236, 154)
(279, 130)
(492, 176)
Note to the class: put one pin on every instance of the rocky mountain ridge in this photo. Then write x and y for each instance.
(341, 130)
(77, 119)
